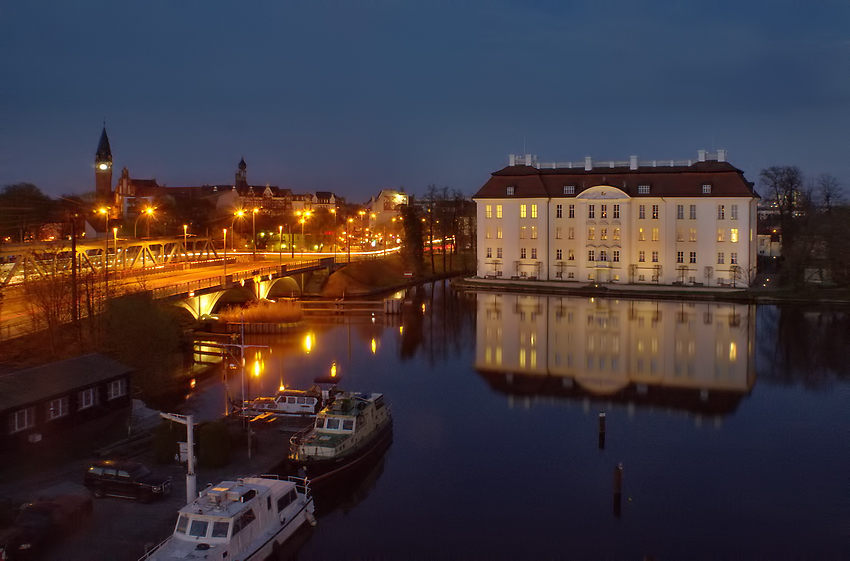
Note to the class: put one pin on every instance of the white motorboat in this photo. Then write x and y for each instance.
(242, 520)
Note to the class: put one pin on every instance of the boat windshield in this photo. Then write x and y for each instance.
(182, 523)
(198, 528)
(320, 422)
(219, 529)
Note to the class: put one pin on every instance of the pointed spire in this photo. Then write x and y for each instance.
(104, 152)
(242, 165)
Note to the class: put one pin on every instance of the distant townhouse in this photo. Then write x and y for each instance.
(659, 222)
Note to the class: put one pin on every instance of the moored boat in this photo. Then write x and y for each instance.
(347, 431)
(243, 520)
(290, 402)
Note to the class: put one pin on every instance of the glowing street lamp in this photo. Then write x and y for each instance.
(224, 243)
(148, 211)
(236, 215)
(254, 232)
(280, 245)
(105, 212)
(185, 247)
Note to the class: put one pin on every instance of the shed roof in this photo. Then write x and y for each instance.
(57, 378)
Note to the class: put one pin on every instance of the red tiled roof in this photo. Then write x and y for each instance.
(679, 181)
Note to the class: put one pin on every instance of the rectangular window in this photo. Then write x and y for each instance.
(489, 253)
(571, 233)
(591, 232)
(559, 211)
(522, 232)
(559, 254)
(569, 189)
(693, 235)
(734, 212)
(720, 258)
(655, 235)
(510, 190)
(733, 235)
(655, 212)
(655, 257)
(57, 408)
(534, 253)
(522, 211)
(721, 212)
(603, 233)
(498, 211)
(534, 232)
(591, 255)
(706, 189)
(488, 211)
(641, 235)
(693, 212)
(534, 211)
(22, 419)
(522, 253)
(616, 234)
(733, 258)
(572, 211)
(86, 398)
(591, 211)
(693, 257)
(499, 233)
(559, 232)
(721, 234)
(616, 212)
(643, 189)
(116, 388)
(604, 211)
(616, 256)
(571, 256)
(489, 233)
(498, 253)
(603, 255)
(641, 256)
(680, 257)
(642, 212)
(680, 212)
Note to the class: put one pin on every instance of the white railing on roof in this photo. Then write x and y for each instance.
(612, 164)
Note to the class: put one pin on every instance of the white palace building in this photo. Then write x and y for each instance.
(656, 222)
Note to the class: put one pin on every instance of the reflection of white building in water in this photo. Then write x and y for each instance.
(685, 355)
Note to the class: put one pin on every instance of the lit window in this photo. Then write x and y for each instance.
(603, 233)
(489, 233)
(522, 232)
(534, 211)
(616, 234)
(733, 235)
(498, 211)
(571, 255)
(693, 235)
(641, 235)
(655, 212)
(590, 233)
(604, 211)
(534, 232)
(488, 211)
(499, 233)
(558, 233)
(721, 234)
(655, 234)
(522, 211)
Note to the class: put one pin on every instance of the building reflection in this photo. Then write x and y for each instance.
(692, 356)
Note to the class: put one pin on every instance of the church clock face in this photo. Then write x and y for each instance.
(103, 166)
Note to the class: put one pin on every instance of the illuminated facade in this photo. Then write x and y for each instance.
(690, 223)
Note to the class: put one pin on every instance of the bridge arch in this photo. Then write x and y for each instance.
(210, 303)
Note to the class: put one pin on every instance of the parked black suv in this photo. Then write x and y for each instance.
(125, 479)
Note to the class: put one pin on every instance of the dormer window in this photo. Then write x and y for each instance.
(706, 189)
(510, 189)
(643, 189)
(569, 189)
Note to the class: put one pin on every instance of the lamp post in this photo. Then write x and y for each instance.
(333, 211)
(254, 232)
(115, 237)
(224, 233)
(302, 221)
(148, 211)
(280, 245)
(105, 212)
(185, 247)
(291, 242)
(348, 237)
(236, 215)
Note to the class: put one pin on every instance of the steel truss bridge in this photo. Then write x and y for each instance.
(37, 261)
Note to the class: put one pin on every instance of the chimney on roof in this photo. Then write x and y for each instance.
(633, 162)
(721, 155)
(511, 160)
(588, 163)
(701, 155)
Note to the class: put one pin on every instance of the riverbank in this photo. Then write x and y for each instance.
(659, 292)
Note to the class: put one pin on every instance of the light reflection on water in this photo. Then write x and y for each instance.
(726, 419)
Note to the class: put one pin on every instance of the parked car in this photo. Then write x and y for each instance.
(41, 522)
(131, 480)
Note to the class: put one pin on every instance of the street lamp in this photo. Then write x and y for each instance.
(280, 244)
(224, 233)
(333, 211)
(185, 247)
(348, 237)
(105, 212)
(236, 215)
(254, 232)
(302, 221)
(115, 236)
(149, 212)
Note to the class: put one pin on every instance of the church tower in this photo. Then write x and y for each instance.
(242, 175)
(103, 170)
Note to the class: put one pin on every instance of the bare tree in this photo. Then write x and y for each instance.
(829, 192)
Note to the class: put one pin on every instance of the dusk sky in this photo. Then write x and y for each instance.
(355, 97)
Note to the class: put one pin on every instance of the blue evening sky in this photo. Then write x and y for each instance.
(358, 96)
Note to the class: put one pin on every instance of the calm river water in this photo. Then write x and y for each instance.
(730, 423)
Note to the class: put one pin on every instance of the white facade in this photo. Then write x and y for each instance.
(691, 224)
